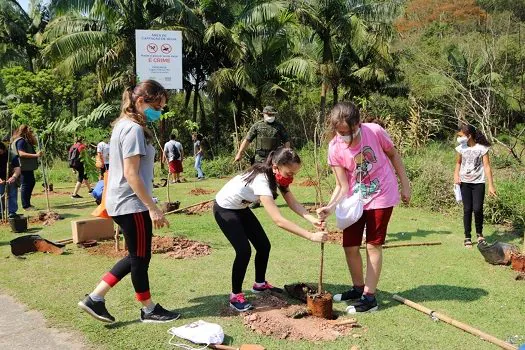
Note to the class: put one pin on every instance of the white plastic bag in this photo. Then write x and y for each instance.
(457, 193)
(199, 332)
(349, 210)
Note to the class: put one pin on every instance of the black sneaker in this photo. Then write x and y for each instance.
(158, 315)
(362, 305)
(97, 309)
(74, 196)
(351, 294)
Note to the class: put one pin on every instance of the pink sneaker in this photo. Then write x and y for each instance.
(239, 303)
(264, 287)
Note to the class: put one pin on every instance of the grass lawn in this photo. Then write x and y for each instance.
(446, 278)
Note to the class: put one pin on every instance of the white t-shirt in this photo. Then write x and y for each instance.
(237, 194)
(103, 148)
(472, 170)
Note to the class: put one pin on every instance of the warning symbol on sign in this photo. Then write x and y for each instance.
(165, 48)
(152, 48)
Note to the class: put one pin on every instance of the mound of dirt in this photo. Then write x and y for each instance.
(199, 209)
(46, 218)
(170, 247)
(200, 191)
(275, 317)
(308, 183)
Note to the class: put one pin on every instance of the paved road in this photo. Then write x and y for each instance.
(22, 329)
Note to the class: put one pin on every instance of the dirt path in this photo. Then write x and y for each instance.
(23, 329)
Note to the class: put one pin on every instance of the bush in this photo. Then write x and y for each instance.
(431, 174)
(509, 205)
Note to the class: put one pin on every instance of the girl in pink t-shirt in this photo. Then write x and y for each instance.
(363, 158)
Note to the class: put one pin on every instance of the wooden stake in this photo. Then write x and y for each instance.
(455, 323)
(189, 206)
(397, 245)
(320, 287)
(117, 244)
(163, 157)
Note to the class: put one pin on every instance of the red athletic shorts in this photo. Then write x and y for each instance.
(175, 166)
(376, 222)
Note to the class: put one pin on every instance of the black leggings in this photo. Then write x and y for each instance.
(137, 229)
(240, 228)
(81, 172)
(473, 196)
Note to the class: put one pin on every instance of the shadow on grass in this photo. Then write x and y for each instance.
(437, 292)
(506, 235)
(407, 236)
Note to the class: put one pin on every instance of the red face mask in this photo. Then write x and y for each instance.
(282, 180)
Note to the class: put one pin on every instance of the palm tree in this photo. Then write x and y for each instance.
(18, 31)
(341, 31)
(100, 35)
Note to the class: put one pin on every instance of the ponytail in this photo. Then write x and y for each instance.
(151, 91)
(476, 134)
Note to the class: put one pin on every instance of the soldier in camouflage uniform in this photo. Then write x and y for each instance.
(268, 135)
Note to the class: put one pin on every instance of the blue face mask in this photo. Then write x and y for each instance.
(152, 115)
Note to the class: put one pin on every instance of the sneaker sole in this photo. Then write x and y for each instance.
(242, 310)
(157, 321)
(374, 309)
(269, 290)
(344, 300)
(93, 313)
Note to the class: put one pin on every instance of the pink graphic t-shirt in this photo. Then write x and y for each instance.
(369, 163)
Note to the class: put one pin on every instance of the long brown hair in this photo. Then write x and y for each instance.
(151, 91)
(343, 112)
(24, 132)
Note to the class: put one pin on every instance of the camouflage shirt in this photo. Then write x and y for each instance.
(268, 137)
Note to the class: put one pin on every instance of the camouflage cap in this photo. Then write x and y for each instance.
(269, 110)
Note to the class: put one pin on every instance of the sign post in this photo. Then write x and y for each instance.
(159, 57)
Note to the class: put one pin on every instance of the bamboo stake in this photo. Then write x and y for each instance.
(397, 245)
(237, 145)
(117, 232)
(44, 176)
(73, 204)
(163, 157)
(455, 323)
(189, 206)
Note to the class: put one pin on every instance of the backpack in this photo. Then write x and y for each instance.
(74, 158)
(175, 151)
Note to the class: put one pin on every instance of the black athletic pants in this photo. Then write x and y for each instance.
(137, 229)
(473, 196)
(241, 228)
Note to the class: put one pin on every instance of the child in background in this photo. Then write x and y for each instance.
(471, 172)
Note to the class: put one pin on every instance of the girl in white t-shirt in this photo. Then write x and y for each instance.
(472, 171)
(241, 227)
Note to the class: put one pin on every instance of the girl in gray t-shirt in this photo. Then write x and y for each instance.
(472, 171)
(129, 201)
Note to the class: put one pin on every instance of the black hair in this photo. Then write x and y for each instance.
(281, 156)
(477, 136)
(3, 147)
(172, 137)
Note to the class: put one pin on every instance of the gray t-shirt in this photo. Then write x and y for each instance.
(128, 140)
(196, 147)
(169, 150)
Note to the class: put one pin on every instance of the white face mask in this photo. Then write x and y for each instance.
(462, 140)
(348, 138)
(269, 119)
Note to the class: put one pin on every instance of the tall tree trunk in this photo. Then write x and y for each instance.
(335, 91)
(188, 89)
(216, 121)
(324, 88)
(195, 100)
